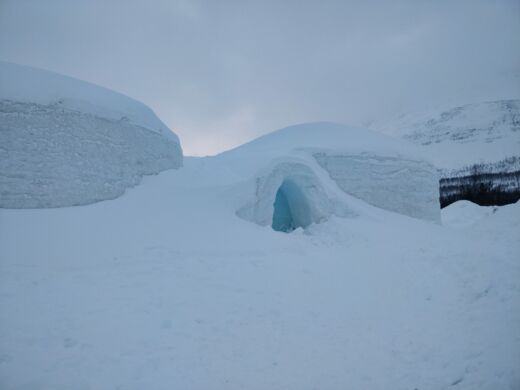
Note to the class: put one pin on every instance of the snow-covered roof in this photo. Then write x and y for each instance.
(30, 85)
(327, 135)
(315, 137)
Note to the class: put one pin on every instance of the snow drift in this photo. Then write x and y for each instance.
(66, 142)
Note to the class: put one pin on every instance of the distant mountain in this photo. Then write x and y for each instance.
(476, 148)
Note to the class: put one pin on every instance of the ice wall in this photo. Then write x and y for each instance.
(51, 156)
(401, 185)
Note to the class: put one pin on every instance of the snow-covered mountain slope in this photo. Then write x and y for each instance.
(476, 148)
(328, 161)
(66, 142)
(475, 133)
(143, 292)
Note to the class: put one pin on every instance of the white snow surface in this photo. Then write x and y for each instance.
(452, 138)
(20, 83)
(64, 142)
(166, 287)
(317, 136)
(464, 213)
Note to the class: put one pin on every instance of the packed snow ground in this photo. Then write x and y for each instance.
(165, 287)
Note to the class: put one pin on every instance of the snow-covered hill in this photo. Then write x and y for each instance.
(476, 148)
(66, 142)
(475, 133)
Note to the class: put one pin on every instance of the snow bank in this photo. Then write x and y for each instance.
(64, 142)
(464, 213)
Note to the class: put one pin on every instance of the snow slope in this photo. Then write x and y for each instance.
(66, 142)
(143, 292)
(485, 132)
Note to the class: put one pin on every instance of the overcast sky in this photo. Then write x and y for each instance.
(220, 73)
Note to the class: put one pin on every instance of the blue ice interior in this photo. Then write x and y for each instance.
(291, 208)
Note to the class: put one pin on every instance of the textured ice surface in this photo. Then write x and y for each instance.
(376, 169)
(53, 157)
(291, 208)
(290, 195)
(65, 142)
(401, 185)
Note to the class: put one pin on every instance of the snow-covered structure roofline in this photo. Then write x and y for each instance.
(66, 142)
(327, 135)
(31, 85)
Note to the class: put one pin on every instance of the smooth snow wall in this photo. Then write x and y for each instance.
(287, 195)
(52, 156)
(402, 185)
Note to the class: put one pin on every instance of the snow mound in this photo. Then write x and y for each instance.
(64, 142)
(464, 213)
(381, 171)
(322, 135)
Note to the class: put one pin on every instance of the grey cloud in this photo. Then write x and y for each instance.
(222, 72)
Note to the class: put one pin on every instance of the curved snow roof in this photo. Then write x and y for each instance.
(316, 136)
(30, 85)
(327, 135)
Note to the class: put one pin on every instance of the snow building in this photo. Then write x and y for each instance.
(66, 142)
(303, 174)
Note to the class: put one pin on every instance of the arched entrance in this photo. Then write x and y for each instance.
(291, 208)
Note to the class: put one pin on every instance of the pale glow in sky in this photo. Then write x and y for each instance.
(220, 73)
